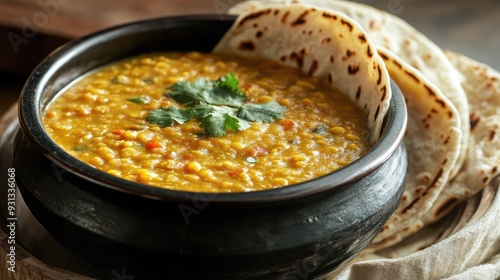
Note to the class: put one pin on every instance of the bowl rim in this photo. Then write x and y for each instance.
(29, 113)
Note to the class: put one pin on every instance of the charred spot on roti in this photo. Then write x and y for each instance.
(420, 189)
(445, 160)
(362, 38)
(348, 24)
(330, 80)
(329, 16)
(326, 40)
(285, 16)
(352, 69)
(494, 169)
(474, 120)
(434, 181)
(446, 206)
(386, 227)
(310, 32)
(259, 34)
(384, 93)
(348, 54)
(253, 16)
(491, 135)
(313, 68)
(376, 112)
(246, 45)
(379, 80)
(417, 80)
(410, 206)
(397, 64)
(255, 25)
(298, 58)
(404, 197)
(283, 58)
(383, 56)
(441, 102)
(446, 141)
(450, 114)
(485, 180)
(429, 90)
(358, 92)
(332, 58)
(276, 12)
(425, 179)
(369, 51)
(433, 110)
(301, 19)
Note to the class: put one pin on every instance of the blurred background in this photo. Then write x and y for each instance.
(31, 29)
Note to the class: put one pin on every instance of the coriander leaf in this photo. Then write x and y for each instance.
(228, 91)
(203, 110)
(266, 112)
(166, 117)
(218, 105)
(217, 119)
(228, 81)
(214, 124)
(235, 123)
(228, 97)
(139, 99)
(224, 91)
(187, 93)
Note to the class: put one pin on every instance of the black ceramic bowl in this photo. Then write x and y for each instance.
(295, 232)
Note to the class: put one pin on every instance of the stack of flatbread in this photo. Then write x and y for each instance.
(452, 138)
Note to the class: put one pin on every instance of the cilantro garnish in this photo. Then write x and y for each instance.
(218, 105)
(139, 99)
(166, 117)
(224, 91)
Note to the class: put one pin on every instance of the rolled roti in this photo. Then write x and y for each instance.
(432, 139)
(322, 43)
(420, 53)
(482, 164)
(406, 42)
(482, 87)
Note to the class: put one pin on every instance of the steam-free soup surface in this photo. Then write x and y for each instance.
(102, 121)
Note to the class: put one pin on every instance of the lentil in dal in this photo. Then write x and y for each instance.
(95, 120)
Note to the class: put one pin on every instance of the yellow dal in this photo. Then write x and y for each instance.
(95, 121)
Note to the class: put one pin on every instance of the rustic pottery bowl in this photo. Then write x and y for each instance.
(296, 232)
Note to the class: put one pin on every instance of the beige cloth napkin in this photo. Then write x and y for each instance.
(473, 252)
